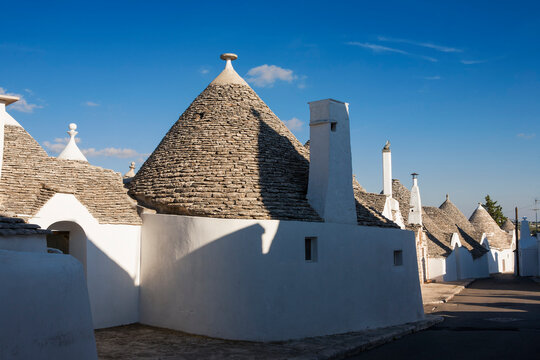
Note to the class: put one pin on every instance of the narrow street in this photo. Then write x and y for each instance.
(495, 318)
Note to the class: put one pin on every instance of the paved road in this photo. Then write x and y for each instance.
(496, 318)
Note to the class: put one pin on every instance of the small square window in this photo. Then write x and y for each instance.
(311, 249)
(333, 126)
(398, 257)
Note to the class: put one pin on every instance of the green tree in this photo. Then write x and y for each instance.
(494, 210)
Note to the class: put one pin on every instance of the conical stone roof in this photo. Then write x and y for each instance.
(458, 218)
(483, 222)
(227, 156)
(508, 225)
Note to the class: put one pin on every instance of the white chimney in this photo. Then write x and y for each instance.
(415, 211)
(5, 118)
(330, 190)
(387, 169)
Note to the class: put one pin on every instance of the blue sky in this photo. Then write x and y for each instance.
(455, 86)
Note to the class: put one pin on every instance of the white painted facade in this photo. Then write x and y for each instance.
(528, 251)
(109, 255)
(459, 265)
(248, 279)
(44, 307)
(330, 190)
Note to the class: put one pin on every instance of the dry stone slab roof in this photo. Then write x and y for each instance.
(230, 156)
(508, 225)
(440, 223)
(369, 207)
(483, 222)
(30, 178)
(10, 226)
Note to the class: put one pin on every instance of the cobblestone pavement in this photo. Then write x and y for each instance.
(146, 342)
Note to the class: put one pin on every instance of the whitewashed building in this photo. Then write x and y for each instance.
(247, 234)
(89, 212)
(44, 307)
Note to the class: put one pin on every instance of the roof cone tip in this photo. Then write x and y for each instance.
(228, 56)
(229, 75)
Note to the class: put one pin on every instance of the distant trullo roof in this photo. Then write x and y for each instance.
(508, 225)
(227, 156)
(483, 222)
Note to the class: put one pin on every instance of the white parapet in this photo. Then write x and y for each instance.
(330, 190)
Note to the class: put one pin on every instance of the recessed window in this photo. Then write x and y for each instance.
(333, 126)
(398, 257)
(311, 249)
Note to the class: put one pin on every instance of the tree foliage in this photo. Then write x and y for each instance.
(494, 210)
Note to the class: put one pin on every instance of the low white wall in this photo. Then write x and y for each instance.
(501, 261)
(33, 243)
(109, 253)
(458, 265)
(528, 262)
(437, 268)
(44, 308)
(248, 279)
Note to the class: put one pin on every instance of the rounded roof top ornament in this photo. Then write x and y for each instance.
(228, 56)
(228, 75)
(72, 151)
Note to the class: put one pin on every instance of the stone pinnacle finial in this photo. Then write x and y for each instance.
(228, 56)
(414, 175)
(72, 128)
(447, 197)
(386, 146)
(72, 151)
(228, 75)
(131, 172)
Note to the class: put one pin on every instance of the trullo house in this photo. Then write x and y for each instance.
(243, 233)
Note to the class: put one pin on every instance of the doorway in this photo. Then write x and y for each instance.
(59, 240)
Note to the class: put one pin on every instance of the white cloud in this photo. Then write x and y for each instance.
(267, 75)
(113, 152)
(204, 71)
(294, 124)
(22, 105)
(91, 104)
(440, 48)
(377, 48)
(526, 136)
(472, 62)
(436, 77)
(381, 49)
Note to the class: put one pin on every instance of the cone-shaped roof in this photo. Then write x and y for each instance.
(227, 156)
(481, 219)
(483, 222)
(457, 216)
(508, 225)
(30, 178)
